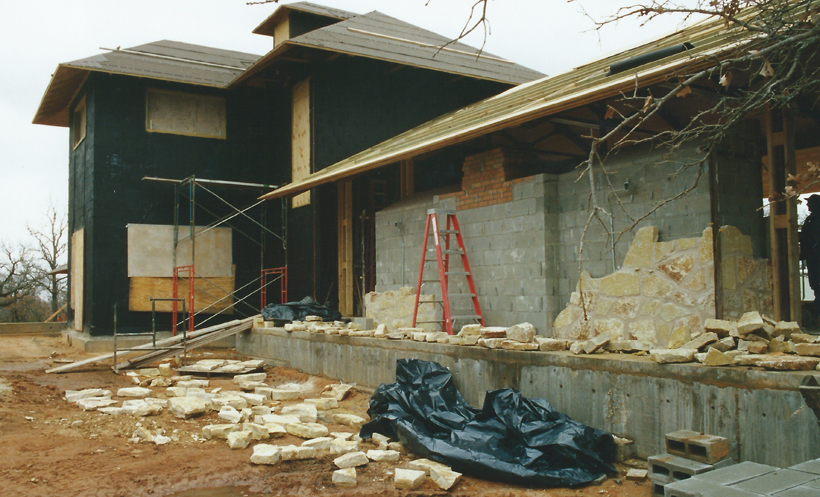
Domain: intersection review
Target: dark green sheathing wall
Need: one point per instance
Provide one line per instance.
(123, 152)
(358, 103)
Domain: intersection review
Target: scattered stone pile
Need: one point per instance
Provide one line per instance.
(255, 414)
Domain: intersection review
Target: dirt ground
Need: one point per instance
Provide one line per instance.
(52, 447)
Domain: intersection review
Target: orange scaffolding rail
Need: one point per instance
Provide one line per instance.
(189, 299)
(281, 274)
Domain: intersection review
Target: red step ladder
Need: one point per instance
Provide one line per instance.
(442, 259)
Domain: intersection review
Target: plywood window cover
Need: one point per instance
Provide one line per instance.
(151, 251)
(301, 138)
(79, 123)
(154, 124)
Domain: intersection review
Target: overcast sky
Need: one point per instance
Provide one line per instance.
(551, 36)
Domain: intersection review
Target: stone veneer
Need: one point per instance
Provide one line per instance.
(664, 286)
(394, 309)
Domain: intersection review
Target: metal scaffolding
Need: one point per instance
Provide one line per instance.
(185, 191)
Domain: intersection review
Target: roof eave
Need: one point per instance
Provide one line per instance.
(74, 78)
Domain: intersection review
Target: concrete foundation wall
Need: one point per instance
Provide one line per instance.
(51, 329)
(761, 413)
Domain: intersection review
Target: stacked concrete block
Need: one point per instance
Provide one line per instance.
(689, 453)
(748, 479)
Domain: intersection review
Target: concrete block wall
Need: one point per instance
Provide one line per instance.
(652, 177)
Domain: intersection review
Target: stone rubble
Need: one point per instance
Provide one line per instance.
(344, 477)
(408, 479)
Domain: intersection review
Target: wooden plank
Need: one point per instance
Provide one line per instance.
(345, 250)
(58, 311)
(792, 231)
(160, 343)
(407, 178)
(77, 275)
(186, 114)
(300, 138)
(281, 31)
(213, 293)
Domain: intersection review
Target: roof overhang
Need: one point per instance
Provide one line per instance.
(267, 26)
(64, 85)
(575, 88)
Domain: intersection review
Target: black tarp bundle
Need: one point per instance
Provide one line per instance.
(296, 311)
(511, 438)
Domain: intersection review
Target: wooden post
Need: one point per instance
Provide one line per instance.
(407, 187)
(345, 241)
(783, 217)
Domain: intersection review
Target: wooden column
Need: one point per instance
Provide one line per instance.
(345, 240)
(407, 186)
(783, 217)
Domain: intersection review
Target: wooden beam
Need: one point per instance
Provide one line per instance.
(407, 178)
(58, 311)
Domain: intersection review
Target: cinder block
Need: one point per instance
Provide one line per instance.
(776, 481)
(812, 467)
(736, 473)
(801, 491)
(675, 468)
(699, 488)
(700, 447)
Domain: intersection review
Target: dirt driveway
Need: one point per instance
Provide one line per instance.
(52, 448)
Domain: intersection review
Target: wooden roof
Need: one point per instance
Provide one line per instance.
(548, 96)
(379, 36)
(266, 27)
(163, 60)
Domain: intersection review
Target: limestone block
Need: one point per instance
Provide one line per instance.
(135, 392)
(677, 268)
(351, 460)
(265, 454)
(219, 431)
(522, 332)
(757, 347)
(239, 439)
(733, 241)
(349, 420)
(470, 340)
(807, 349)
(435, 337)
(455, 340)
(749, 322)
(339, 446)
(749, 359)
(595, 343)
(714, 357)
(551, 344)
(187, 407)
(445, 479)
(642, 248)
(628, 346)
(705, 248)
(621, 284)
(75, 395)
(493, 332)
(294, 453)
(720, 327)
(113, 411)
(251, 386)
(320, 444)
(780, 344)
(258, 432)
(383, 455)
(643, 330)
(397, 446)
(164, 369)
(426, 465)
(701, 341)
(513, 345)
(344, 477)
(470, 329)
(577, 347)
(276, 418)
(723, 344)
(395, 308)
(295, 327)
(93, 403)
(323, 403)
(789, 363)
(284, 394)
(229, 414)
(626, 308)
(140, 407)
(566, 317)
(396, 336)
(420, 336)
(160, 383)
(490, 343)
(307, 430)
(786, 328)
(361, 333)
(337, 391)
(408, 479)
(670, 311)
(664, 356)
(680, 336)
(378, 439)
(802, 338)
(341, 435)
(313, 319)
(307, 413)
(261, 410)
(231, 399)
(193, 383)
(253, 399)
(156, 402)
(275, 430)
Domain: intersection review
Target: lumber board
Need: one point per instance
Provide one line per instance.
(206, 292)
(300, 136)
(157, 355)
(163, 342)
(77, 275)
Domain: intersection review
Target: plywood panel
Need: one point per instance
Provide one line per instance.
(345, 240)
(300, 138)
(206, 292)
(185, 114)
(77, 276)
(151, 251)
